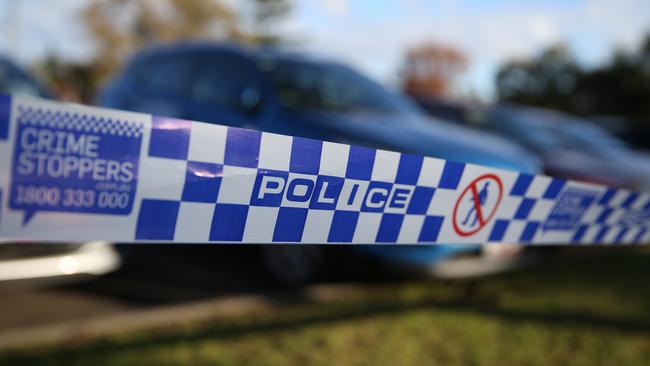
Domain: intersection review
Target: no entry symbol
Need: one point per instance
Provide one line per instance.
(477, 204)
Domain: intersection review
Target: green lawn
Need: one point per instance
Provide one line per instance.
(583, 311)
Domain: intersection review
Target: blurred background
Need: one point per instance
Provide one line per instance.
(554, 87)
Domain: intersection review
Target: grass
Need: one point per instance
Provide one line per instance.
(589, 311)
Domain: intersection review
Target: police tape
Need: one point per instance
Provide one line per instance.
(77, 173)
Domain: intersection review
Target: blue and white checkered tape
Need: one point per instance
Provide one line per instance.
(77, 173)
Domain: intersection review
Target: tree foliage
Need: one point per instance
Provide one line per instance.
(555, 80)
(431, 68)
(120, 27)
(266, 15)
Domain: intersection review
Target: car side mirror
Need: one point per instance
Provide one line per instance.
(250, 100)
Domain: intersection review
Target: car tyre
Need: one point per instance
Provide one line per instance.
(292, 265)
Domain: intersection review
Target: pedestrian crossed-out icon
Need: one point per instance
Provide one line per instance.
(477, 204)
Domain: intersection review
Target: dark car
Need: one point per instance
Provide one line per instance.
(13, 80)
(574, 148)
(292, 94)
(449, 110)
(569, 147)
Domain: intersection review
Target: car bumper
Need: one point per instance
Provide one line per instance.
(94, 258)
(487, 262)
(483, 261)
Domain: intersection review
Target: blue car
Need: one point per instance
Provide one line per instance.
(293, 94)
(14, 80)
(569, 147)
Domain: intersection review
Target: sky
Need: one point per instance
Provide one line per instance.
(374, 35)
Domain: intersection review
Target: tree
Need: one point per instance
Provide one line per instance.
(266, 15)
(72, 82)
(545, 81)
(122, 26)
(554, 79)
(430, 69)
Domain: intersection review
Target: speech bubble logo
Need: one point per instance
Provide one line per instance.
(29, 214)
(73, 162)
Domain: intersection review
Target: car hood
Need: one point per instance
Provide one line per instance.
(422, 135)
(640, 160)
(639, 163)
(629, 170)
(418, 255)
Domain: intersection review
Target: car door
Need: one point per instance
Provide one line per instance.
(226, 89)
(161, 84)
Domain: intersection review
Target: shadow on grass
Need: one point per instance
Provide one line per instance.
(625, 273)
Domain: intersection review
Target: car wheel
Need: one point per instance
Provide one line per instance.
(293, 264)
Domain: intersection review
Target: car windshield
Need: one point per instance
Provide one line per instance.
(331, 88)
(588, 139)
(529, 131)
(553, 131)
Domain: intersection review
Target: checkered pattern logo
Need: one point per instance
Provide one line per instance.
(74, 121)
(241, 185)
(618, 216)
(233, 185)
(548, 210)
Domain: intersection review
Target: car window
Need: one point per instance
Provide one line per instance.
(593, 135)
(223, 80)
(303, 85)
(529, 132)
(584, 138)
(553, 130)
(169, 74)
